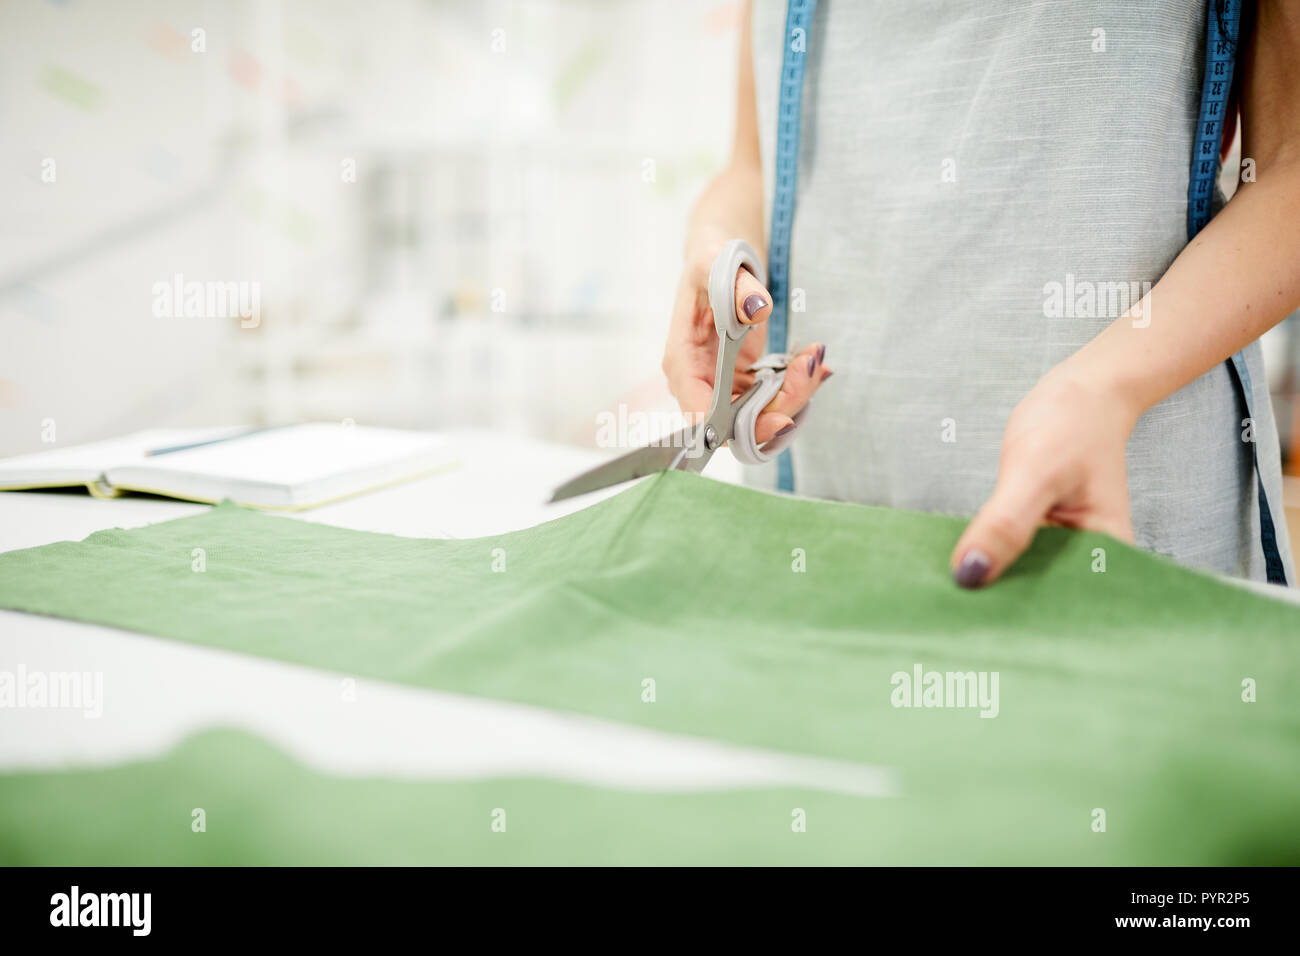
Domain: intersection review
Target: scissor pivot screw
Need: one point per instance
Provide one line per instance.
(710, 438)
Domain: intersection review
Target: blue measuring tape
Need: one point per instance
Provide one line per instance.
(1222, 37)
(798, 26)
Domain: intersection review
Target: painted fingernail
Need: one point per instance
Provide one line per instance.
(812, 365)
(785, 431)
(753, 305)
(821, 355)
(827, 374)
(970, 572)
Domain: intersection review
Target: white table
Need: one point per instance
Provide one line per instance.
(156, 691)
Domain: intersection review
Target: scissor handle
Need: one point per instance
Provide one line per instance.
(735, 255)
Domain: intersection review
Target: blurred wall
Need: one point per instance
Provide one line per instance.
(453, 211)
(448, 212)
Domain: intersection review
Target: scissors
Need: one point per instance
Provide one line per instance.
(690, 448)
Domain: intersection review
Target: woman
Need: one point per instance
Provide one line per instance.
(965, 177)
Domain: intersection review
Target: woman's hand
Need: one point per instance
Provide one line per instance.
(1062, 463)
(691, 353)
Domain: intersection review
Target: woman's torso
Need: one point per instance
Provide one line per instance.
(967, 171)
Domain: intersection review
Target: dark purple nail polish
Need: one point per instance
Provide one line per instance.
(827, 374)
(785, 431)
(753, 305)
(970, 572)
(821, 354)
(812, 365)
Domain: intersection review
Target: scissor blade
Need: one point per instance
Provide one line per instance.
(635, 464)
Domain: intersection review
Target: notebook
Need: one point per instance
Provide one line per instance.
(290, 467)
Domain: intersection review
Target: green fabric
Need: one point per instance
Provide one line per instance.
(1119, 690)
(262, 808)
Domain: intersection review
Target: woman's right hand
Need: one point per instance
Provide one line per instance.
(691, 353)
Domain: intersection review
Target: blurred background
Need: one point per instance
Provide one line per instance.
(451, 213)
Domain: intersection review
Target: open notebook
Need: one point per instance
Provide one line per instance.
(291, 467)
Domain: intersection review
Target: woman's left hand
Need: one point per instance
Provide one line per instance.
(1062, 463)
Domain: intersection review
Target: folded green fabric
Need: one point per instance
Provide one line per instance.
(762, 620)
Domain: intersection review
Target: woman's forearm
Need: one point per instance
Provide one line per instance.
(731, 207)
(1237, 279)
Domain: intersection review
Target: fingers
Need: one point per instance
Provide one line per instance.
(753, 304)
(1118, 524)
(691, 351)
(1000, 532)
(688, 360)
(803, 376)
